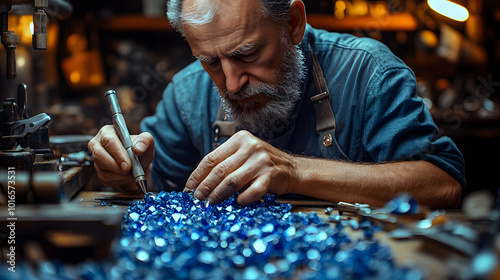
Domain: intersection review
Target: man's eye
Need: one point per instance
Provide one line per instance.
(212, 62)
(245, 56)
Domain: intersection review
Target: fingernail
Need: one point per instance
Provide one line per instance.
(210, 201)
(124, 166)
(189, 185)
(199, 195)
(140, 146)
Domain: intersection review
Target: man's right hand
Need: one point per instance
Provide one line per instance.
(111, 161)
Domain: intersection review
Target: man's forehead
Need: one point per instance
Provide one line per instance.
(237, 49)
(221, 14)
(196, 8)
(233, 29)
(200, 6)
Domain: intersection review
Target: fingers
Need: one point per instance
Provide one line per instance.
(242, 141)
(112, 145)
(247, 178)
(108, 152)
(112, 161)
(234, 182)
(144, 147)
(144, 144)
(229, 169)
(225, 179)
(253, 193)
(207, 164)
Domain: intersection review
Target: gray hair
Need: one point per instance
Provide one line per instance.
(277, 10)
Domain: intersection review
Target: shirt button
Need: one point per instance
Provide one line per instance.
(327, 140)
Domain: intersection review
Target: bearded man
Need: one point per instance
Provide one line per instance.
(315, 113)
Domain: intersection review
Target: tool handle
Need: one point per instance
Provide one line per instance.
(118, 119)
(123, 133)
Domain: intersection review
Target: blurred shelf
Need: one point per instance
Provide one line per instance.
(134, 23)
(391, 22)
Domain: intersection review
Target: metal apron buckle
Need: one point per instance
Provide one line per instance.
(325, 119)
(222, 128)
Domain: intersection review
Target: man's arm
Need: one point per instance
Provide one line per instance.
(247, 164)
(375, 184)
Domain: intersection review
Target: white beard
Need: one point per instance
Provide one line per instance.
(282, 98)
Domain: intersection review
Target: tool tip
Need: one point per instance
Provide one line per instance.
(142, 184)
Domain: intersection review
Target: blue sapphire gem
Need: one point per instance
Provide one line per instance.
(402, 204)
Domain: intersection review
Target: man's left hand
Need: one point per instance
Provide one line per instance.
(243, 163)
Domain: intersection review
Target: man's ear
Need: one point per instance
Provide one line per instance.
(297, 21)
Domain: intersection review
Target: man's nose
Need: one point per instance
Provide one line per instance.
(235, 77)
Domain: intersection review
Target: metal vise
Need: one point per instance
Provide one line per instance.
(16, 129)
(56, 8)
(24, 146)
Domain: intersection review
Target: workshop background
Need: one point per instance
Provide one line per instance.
(130, 47)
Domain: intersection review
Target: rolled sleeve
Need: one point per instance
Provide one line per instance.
(398, 125)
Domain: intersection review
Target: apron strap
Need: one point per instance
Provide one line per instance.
(325, 120)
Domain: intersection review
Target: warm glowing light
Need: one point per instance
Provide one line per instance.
(379, 9)
(429, 38)
(449, 9)
(340, 7)
(96, 79)
(20, 25)
(32, 27)
(20, 61)
(75, 77)
(359, 8)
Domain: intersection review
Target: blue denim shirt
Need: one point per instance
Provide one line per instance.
(378, 114)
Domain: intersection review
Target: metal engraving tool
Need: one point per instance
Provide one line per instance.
(122, 131)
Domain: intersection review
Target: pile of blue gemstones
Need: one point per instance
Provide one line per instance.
(174, 235)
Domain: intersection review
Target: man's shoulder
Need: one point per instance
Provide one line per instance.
(191, 86)
(350, 47)
(191, 74)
